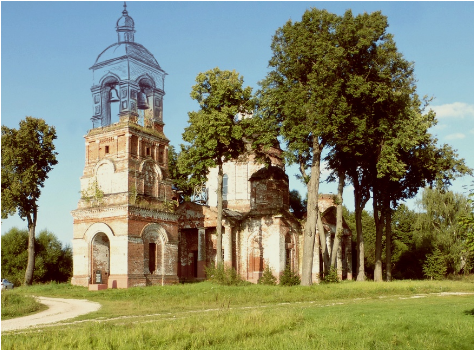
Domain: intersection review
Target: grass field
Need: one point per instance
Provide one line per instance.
(16, 304)
(349, 315)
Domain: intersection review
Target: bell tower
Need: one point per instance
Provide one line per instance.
(125, 226)
(128, 82)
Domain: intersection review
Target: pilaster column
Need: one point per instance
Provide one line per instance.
(87, 153)
(228, 247)
(97, 149)
(128, 144)
(201, 260)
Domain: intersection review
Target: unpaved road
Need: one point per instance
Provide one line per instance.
(58, 309)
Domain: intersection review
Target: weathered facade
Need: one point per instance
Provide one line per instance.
(127, 229)
(258, 229)
(124, 231)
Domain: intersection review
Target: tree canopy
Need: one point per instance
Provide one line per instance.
(215, 134)
(337, 81)
(54, 262)
(340, 82)
(28, 155)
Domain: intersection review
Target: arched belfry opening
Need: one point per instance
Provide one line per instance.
(108, 97)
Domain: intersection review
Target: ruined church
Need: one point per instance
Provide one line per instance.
(128, 229)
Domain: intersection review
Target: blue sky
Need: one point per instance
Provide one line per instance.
(48, 47)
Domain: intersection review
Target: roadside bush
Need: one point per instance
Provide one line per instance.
(289, 278)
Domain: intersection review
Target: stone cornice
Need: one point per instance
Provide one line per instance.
(122, 211)
(144, 132)
(150, 213)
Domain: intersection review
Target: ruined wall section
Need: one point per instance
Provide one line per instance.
(238, 172)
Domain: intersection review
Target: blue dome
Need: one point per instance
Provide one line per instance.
(127, 50)
(125, 22)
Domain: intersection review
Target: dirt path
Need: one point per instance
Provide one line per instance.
(58, 309)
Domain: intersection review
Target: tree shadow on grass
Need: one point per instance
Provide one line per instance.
(469, 312)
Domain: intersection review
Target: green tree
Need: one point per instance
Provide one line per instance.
(435, 266)
(337, 82)
(438, 225)
(180, 180)
(215, 134)
(53, 261)
(383, 143)
(14, 255)
(403, 231)
(368, 233)
(300, 94)
(297, 204)
(466, 221)
(27, 157)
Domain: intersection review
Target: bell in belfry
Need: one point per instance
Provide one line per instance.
(142, 101)
(113, 96)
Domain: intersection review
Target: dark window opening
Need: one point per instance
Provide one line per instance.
(195, 266)
(147, 151)
(152, 257)
(106, 149)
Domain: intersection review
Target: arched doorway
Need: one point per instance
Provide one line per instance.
(255, 258)
(155, 241)
(100, 259)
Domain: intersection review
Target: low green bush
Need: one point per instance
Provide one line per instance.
(224, 275)
(289, 278)
(331, 276)
(268, 278)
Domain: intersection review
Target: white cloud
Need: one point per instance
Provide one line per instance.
(453, 110)
(324, 171)
(455, 136)
(440, 126)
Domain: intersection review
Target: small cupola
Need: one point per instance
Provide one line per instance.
(125, 27)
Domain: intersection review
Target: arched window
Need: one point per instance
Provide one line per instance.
(225, 186)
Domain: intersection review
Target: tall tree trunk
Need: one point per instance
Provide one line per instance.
(323, 244)
(358, 200)
(312, 213)
(379, 219)
(360, 245)
(388, 238)
(31, 248)
(219, 214)
(339, 229)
